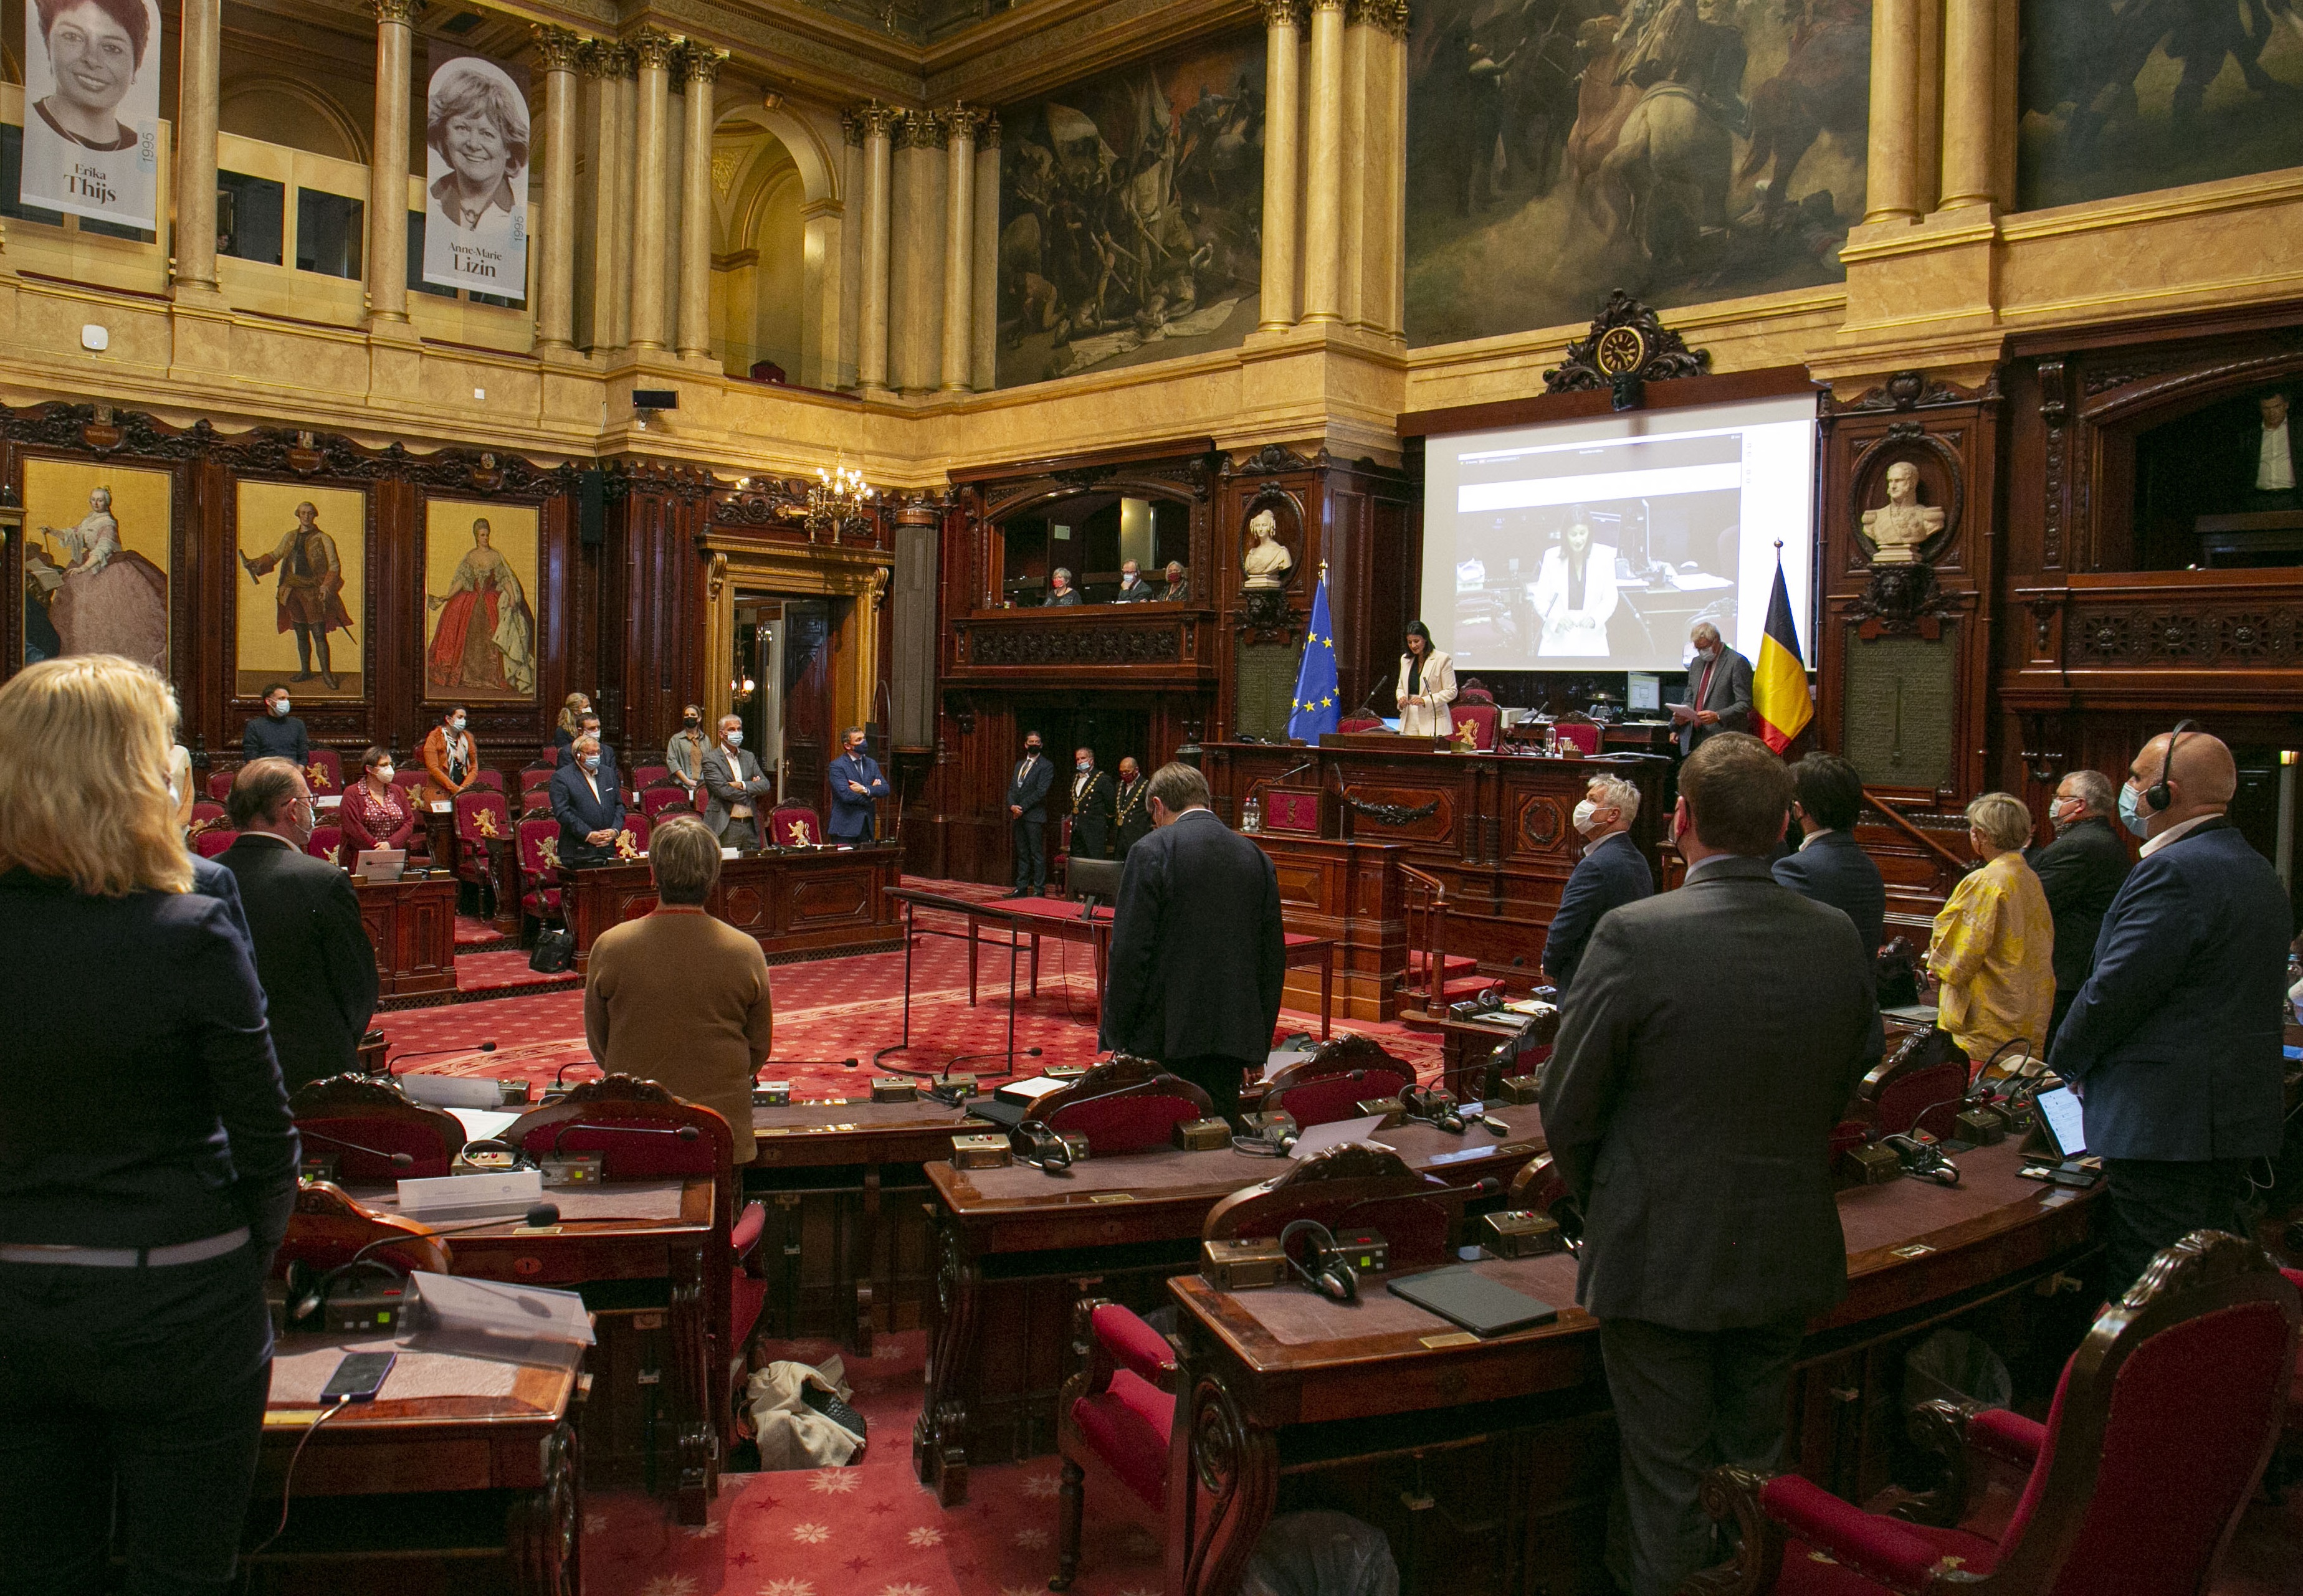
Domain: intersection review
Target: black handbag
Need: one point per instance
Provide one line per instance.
(555, 950)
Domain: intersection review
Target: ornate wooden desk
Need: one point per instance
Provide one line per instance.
(1513, 1434)
(1014, 1248)
(413, 926)
(798, 902)
(479, 1473)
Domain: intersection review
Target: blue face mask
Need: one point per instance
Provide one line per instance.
(591, 762)
(2131, 813)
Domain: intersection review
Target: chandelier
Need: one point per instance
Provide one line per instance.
(838, 496)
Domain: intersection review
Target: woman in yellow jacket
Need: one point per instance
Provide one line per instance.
(1994, 953)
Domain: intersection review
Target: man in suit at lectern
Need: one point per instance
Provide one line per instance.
(1715, 1035)
(1718, 691)
(1027, 817)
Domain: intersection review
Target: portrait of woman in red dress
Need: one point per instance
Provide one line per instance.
(485, 641)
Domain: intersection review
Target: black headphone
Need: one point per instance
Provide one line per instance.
(2159, 795)
(1338, 1281)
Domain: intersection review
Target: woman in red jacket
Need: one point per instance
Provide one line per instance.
(375, 814)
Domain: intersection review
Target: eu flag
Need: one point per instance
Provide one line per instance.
(1314, 710)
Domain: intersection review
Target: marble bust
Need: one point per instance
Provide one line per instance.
(1898, 527)
(1267, 562)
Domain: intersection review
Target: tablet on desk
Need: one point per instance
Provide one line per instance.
(1463, 1296)
(2065, 1121)
(380, 865)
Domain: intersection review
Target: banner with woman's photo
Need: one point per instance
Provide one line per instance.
(92, 109)
(475, 175)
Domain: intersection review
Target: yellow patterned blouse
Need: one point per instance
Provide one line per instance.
(1994, 953)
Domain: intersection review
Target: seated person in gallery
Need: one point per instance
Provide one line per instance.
(1574, 593)
(1898, 527)
(1267, 562)
(587, 805)
(1133, 588)
(1178, 590)
(1061, 591)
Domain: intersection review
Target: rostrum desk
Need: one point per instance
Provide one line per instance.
(1014, 1248)
(1512, 1436)
(794, 902)
(411, 923)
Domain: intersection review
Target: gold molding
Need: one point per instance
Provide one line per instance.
(798, 570)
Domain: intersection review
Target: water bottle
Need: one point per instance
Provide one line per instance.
(1251, 817)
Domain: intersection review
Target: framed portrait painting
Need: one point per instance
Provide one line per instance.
(480, 623)
(97, 561)
(301, 610)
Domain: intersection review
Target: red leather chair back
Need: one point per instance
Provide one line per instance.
(791, 828)
(214, 840)
(491, 779)
(1484, 720)
(219, 786)
(663, 796)
(1124, 1107)
(324, 771)
(1331, 1084)
(325, 840)
(644, 777)
(537, 849)
(481, 815)
(206, 816)
(632, 840)
(633, 1125)
(534, 779)
(374, 1115)
(1582, 734)
(1348, 1187)
(410, 780)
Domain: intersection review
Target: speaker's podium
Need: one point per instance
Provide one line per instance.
(1333, 886)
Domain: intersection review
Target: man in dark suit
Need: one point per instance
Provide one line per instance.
(312, 956)
(1198, 954)
(2173, 1043)
(1091, 808)
(589, 726)
(1831, 866)
(2081, 871)
(1027, 817)
(1715, 1036)
(1131, 805)
(1611, 872)
(585, 802)
(856, 785)
(1718, 691)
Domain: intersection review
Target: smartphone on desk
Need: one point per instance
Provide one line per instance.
(358, 1377)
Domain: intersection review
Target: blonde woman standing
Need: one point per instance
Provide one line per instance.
(1994, 952)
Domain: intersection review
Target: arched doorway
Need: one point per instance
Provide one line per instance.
(776, 244)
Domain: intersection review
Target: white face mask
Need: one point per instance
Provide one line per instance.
(736, 738)
(383, 773)
(1585, 811)
(280, 706)
(456, 724)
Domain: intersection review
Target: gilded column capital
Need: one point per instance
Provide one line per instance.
(1283, 13)
(559, 50)
(989, 138)
(402, 11)
(1388, 15)
(655, 48)
(851, 127)
(1327, 5)
(880, 122)
(605, 58)
(923, 130)
(702, 62)
(965, 121)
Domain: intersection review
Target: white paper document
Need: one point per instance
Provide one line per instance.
(1335, 1133)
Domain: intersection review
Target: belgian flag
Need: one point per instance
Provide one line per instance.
(1780, 700)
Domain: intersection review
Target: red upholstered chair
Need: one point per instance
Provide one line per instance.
(325, 840)
(491, 779)
(2161, 1424)
(534, 778)
(1473, 691)
(538, 854)
(1117, 1408)
(1359, 723)
(1578, 731)
(214, 840)
(220, 784)
(1331, 1084)
(1124, 1107)
(352, 1124)
(411, 784)
(206, 817)
(483, 841)
(324, 771)
(1484, 720)
(644, 777)
(1921, 1086)
(632, 841)
(794, 827)
(662, 795)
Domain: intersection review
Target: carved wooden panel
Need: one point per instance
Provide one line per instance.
(1541, 827)
(1299, 883)
(2185, 631)
(824, 898)
(746, 907)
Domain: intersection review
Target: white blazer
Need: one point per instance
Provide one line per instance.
(1572, 632)
(1438, 686)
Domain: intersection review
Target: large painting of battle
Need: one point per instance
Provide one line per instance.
(2122, 96)
(1684, 150)
(1131, 211)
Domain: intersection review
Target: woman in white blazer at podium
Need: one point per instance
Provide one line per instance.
(1426, 687)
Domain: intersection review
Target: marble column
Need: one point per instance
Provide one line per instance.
(611, 188)
(695, 205)
(983, 326)
(916, 247)
(1283, 28)
(871, 301)
(560, 51)
(651, 172)
(960, 125)
(387, 184)
(196, 146)
(1970, 85)
(1323, 167)
(1891, 181)
(851, 246)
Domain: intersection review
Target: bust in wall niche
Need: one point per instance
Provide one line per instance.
(1898, 527)
(1267, 562)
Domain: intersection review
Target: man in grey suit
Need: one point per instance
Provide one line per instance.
(1718, 691)
(736, 793)
(1715, 1036)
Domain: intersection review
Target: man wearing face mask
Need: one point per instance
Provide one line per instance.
(1611, 873)
(585, 802)
(736, 793)
(684, 754)
(452, 757)
(2080, 871)
(856, 783)
(2173, 1041)
(1027, 817)
(1091, 808)
(1131, 806)
(1718, 691)
(312, 956)
(1830, 866)
(276, 734)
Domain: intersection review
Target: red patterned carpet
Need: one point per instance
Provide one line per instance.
(827, 1011)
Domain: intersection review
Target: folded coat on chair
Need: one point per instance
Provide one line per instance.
(791, 1434)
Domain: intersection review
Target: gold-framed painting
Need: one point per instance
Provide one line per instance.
(300, 607)
(480, 623)
(98, 560)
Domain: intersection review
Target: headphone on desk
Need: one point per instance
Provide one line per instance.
(1337, 1281)
(2159, 795)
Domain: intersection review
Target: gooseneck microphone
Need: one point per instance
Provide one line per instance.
(539, 1216)
(437, 1052)
(684, 1132)
(397, 1160)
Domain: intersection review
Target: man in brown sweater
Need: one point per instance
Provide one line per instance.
(678, 997)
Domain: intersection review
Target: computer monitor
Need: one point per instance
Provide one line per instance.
(1097, 878)
(1643, 690)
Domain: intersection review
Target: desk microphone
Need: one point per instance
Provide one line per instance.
(1486, 1187)
(559, 1076)
(1299, 770)
(436, 1052)
(540, 1216)
(684, 1132)
(803, 1063)
(397, 1160)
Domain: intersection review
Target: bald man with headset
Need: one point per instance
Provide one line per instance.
(2173, 1043)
